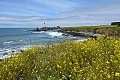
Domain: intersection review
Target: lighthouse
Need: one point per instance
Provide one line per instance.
(45, 25)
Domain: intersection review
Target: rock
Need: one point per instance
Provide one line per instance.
(55, 36)
(13, 51)
(5, 53)
(0, 60)
(95, 35)
(20, 78)
(64, 34)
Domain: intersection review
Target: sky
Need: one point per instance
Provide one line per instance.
(64, 13)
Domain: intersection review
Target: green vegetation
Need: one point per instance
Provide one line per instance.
(110, 30)
(68, 60)
(116, 23)
(89, 28)
(37, 29)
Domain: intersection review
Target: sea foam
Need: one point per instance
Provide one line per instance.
(54, 34)
(38, 32)
(8, 42)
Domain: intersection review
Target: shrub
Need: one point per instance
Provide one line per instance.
(68, 60)
(115, 23)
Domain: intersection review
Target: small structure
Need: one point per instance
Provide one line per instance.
(116, 23)
(45, 25)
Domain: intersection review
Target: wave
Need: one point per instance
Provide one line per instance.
(5, 53)
(38, 32)
(12, 41)
(8, 42)
(15, 35)
(54, 34)
(25, 30)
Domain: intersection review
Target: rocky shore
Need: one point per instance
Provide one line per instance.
(90, 31)
(68, 32)
(46, 28)
(86, 34)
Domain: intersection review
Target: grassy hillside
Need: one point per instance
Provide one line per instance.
(69, 60)
(76, 28)
(110, 30)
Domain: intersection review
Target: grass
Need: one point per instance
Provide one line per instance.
(68, 60)
(109, 30)
(117, 29)
(74, 28)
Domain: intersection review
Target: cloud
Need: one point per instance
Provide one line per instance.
(59, 12)
(34, 7)
(94, 14)
(56, 3)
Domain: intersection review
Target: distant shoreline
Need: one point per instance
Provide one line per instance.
(87, 31)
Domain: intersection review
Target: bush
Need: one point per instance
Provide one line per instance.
(115, 23)
(68, 60)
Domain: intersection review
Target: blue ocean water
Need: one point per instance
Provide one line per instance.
(14, 39)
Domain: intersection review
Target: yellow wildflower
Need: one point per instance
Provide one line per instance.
(76, 63)
(70, 63)
(69, 75)
(109, 76)
(117, 74)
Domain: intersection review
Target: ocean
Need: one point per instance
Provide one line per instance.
(15, 39)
